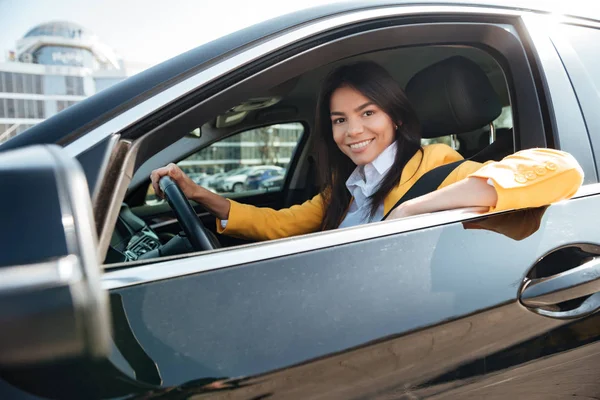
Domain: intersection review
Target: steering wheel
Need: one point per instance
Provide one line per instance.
(200, 237)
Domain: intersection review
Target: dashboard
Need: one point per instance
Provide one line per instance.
(131, 238)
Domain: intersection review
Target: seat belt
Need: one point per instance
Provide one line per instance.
(427, 183)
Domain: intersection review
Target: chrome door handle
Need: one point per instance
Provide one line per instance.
(572, 284)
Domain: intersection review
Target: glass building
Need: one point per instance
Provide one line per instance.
(55, 65)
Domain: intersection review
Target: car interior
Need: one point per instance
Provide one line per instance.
(460, 94)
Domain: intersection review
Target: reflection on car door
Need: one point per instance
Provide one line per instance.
(427, 312)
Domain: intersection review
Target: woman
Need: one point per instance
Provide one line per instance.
(371, 155)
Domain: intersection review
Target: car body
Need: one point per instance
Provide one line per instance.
(227, 181)
(255, 178)
(274, 183)
(210, 180)
(236, 180)
(198, 177)
(451, 305)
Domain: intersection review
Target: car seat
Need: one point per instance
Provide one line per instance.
(455, 96)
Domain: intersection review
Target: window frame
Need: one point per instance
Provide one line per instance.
(225, 74)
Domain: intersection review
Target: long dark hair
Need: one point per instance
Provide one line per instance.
(375, 83)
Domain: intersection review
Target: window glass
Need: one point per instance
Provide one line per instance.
(38, 84)
(74, 85)
(30, 109)
(251, 162)
(10, 108)
(41, 110)
(18, 83)
(578, 48)
(20, 108)
(55, 84)
(470, 143)
(8, 82)
(28, 83)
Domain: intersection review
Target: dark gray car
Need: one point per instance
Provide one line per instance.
(102, 295)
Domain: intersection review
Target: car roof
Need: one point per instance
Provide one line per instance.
(89, 112)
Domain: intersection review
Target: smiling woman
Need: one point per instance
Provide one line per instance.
(370, 156)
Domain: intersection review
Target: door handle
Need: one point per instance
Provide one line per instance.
(575, 283)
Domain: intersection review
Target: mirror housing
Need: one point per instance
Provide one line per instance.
(52, 305)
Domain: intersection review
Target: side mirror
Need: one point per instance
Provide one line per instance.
(51, 303)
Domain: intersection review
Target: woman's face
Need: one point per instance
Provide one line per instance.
(360, 128)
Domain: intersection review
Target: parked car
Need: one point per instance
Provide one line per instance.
(235, 180)
(256, 177)
(274, 183)
(227, 181)
(198, 177)
(210, 180)
(102, 297)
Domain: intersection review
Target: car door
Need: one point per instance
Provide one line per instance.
(430, 306)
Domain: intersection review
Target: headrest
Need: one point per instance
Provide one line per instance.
(453, 96)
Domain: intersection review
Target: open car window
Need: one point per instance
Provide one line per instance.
(251, 164)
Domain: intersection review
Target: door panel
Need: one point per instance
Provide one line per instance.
(347, 322)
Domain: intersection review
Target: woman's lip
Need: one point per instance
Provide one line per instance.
(361, 149)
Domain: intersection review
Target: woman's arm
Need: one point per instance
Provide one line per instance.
(528, 178)
(243, 220)
(470, 192)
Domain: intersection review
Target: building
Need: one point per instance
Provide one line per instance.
(270, 145)
(54, 66)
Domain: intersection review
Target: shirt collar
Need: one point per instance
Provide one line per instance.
(372, 173)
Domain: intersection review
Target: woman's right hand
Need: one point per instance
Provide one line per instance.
(214, 203)
(185, 183)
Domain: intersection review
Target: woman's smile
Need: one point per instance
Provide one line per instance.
(361, 146)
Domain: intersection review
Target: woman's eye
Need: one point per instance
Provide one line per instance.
(338, 121)
(368, 113)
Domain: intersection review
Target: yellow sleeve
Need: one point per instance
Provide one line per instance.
(528, 178)
(254, 223)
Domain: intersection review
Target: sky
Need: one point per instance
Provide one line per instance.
(144, 31)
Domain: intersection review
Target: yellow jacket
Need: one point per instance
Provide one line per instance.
(528, 178)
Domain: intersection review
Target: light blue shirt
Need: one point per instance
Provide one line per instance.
(363, 183)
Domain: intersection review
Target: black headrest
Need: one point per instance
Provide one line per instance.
(453, 96)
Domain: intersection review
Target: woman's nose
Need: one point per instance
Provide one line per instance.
(355, 128)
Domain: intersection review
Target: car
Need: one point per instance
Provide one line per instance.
(232, 181)
(235, 180)
(255, 178)
(198, 177)
(274, 183)
(106, 296)
(210, 180)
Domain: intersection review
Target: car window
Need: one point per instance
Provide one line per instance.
(469, 143)
(238, 163)
(578, 49)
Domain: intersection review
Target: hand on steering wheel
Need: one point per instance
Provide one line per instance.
(199, 237)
